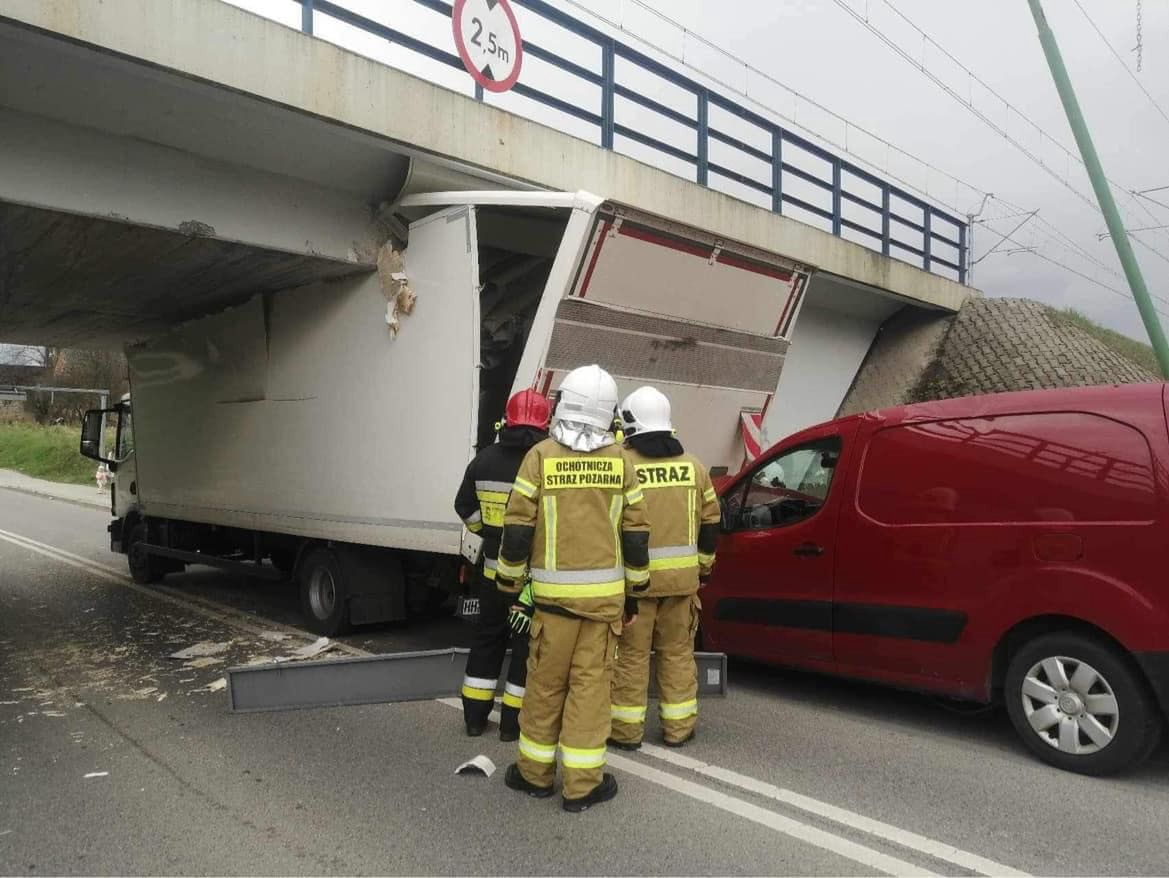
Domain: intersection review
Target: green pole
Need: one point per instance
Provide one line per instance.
(1128, 259)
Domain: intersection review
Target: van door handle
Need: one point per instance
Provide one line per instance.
(808, 550)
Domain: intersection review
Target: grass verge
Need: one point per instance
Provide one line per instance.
(45, 453)
(1131, 349)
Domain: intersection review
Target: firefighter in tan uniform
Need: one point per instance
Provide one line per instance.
(684, 517)
(576, 525)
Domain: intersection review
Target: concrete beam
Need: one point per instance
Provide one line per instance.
(55, 166)
(222, 44)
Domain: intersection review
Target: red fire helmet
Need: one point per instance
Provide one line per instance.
(528, 409)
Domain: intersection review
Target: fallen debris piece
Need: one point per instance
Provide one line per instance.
(274, 635)
(204, 662)
(480, 765)
(97, 774)
(203, 648)
(217, 685)
(321, 644)
(162, 697)
(142, 693)
(52, 713)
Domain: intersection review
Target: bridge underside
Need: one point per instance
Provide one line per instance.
(79, 281)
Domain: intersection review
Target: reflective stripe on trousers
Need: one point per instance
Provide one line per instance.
(678, 711)
(627, 713)
(478, 688)
(513, 696)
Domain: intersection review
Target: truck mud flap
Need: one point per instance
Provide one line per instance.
(380, 679)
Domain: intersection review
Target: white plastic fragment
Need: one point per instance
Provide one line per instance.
(97, 774)
(480, 765)
(203, 648)
(321, 644)
(217, 685)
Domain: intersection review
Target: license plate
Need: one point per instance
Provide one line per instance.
(468, 607)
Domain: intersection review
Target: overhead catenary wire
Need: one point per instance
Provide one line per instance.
(899, 50)
(1063, 266)
(1123, 63)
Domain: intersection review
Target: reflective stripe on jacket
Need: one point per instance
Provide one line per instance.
(684, 516)
(578, 520)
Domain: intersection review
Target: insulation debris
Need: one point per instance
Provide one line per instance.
(97, 774)
(217, 685)
(400, 298)
(203, 648)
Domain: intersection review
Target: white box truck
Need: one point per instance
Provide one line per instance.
(298, 434)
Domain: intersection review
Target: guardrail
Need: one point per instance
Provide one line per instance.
(731, 144)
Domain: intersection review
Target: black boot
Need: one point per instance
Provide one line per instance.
(602, 792)
(509, 724)
(519, 783)
(475, 728)
(679, 743)
(624, 745)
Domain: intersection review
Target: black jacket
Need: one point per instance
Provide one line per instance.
(482, 497)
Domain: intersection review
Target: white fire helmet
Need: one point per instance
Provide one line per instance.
(587, 395)
(646, 410)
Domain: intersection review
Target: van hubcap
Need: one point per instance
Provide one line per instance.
(1070, 705)
(322, 593)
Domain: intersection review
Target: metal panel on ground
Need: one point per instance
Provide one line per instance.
(377, 679)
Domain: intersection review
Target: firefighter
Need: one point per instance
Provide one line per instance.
(576, 526)
(480, 502)
(684, 516)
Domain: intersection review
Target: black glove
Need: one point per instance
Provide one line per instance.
(630, 607)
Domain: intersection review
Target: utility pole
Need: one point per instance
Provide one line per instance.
(1128, 259)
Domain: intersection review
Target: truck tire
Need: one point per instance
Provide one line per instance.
(1081, 705)
(324, 598)
(144, 568)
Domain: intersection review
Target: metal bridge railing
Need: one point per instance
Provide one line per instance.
(729, 143)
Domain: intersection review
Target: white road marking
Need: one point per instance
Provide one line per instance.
(911, 840)
(844, 847)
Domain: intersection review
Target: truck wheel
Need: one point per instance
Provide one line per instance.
(324, 599)
(144, 568)
(1080, 705)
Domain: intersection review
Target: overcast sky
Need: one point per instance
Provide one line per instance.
(817, 49)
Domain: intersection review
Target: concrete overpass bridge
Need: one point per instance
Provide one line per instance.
(165, 159)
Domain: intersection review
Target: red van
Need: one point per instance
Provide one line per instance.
(1011, 547)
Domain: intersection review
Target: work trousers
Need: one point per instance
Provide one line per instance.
(570, 668)
(492, 638)
(667, 625)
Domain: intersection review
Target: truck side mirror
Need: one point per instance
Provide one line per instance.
(91, 434)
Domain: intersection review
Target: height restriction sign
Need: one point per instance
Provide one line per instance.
(488, 40)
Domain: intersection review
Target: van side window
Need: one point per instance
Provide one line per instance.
(1045, 467)
(785, 489)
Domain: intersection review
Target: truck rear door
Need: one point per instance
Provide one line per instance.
(705, 320)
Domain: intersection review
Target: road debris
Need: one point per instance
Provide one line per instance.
(97, 774)
(480, 765)
(274, 635)
(203, 648)
(312, 650)
(217, 685)
(204, 662)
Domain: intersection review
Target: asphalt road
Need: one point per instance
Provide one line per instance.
(790, 774)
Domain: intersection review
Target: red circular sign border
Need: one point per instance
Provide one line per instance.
(465, 56)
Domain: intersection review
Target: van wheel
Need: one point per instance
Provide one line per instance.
(324, 599)
(144, 567)
(1080, 705)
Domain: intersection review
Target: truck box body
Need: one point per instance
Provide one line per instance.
(299, 412)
